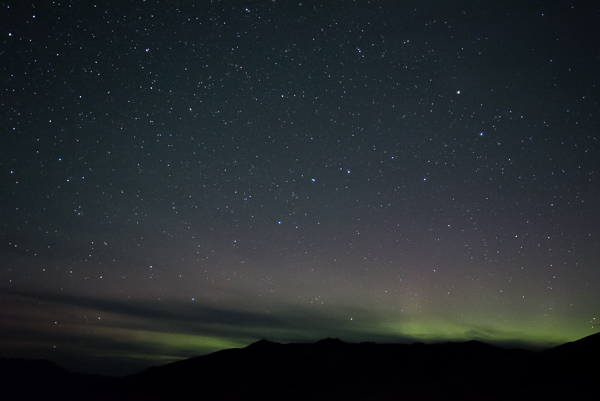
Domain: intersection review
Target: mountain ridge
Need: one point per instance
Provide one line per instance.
(328, 369)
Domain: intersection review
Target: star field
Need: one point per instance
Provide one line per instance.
(182, 177)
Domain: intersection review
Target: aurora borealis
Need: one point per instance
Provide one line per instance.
(181, 177)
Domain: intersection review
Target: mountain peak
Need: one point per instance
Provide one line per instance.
(330, 342)
(262, 343)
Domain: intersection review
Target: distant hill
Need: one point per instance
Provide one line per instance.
(330, 370)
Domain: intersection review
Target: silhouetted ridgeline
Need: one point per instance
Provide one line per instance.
(330, 370)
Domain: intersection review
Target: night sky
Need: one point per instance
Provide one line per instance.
(183, 177)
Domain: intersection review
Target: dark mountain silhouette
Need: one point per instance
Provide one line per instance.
(330, 370)
(22, 379)
(584, 346)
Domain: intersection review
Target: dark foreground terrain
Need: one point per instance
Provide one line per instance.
(331, 370)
